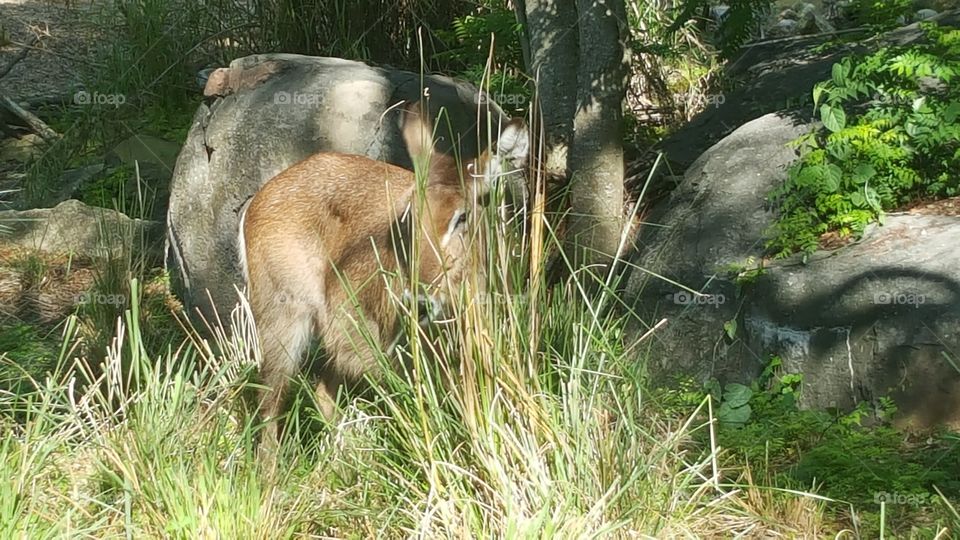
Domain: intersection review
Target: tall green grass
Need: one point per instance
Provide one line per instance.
(526, 415)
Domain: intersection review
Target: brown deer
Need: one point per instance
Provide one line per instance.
(332, 234)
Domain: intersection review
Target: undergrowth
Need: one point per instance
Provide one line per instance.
(526, 415)
(856, 458)
(891, 135)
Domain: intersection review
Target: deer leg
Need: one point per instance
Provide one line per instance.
(326, 395)
(283, 341)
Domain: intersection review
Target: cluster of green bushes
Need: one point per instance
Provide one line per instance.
(856, 458)
(891, 136)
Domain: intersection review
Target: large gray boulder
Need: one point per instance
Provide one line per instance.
(714, 219)
(879, 317)
(267, 112)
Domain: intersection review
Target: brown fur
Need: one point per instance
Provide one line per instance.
(337, 215)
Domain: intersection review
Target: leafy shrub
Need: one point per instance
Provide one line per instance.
(468, 48)
(901, 145)
(835, 453)
(468, 41)
(738, 23)
(881, 15)
(734, 402)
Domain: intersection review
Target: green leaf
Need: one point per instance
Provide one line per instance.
(833, 118)
(839, 73)
(736, 394)
(730, 327)
(831, 176)
(733, 415)
(788, 399)
(863, 172)
(713, 388)
(818, 91)
(951, 113)
(913, 129)
(873, 199)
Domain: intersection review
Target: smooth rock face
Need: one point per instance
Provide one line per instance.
(73, 227)
(880, 317)
(268, 112)
(714, 219)
(877, 318)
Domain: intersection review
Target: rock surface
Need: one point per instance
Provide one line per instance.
(880, 317)
(714, 219)
(877, 318)
(73, 227)
(266, 113)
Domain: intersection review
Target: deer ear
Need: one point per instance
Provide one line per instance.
(512, 151)
(513, 144)
(417, 131)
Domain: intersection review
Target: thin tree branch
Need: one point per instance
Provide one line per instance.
(19, 57)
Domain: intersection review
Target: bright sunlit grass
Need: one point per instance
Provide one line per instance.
(526, 416)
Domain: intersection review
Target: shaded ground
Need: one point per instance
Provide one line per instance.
(69, 36)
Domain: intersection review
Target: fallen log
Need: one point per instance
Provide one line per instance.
(35, 124)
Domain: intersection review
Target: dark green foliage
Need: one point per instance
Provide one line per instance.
(468, 41)
(891, 136)
(835, 453)
(857, 465)
(882, 15)
(739, 23)
(468, 50)
(734, 402)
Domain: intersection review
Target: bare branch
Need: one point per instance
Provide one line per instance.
(19, 57)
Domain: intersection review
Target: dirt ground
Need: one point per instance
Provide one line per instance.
(68, 32)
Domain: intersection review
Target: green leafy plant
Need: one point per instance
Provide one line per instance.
(891, 136)
(881, 15)
(468, 48)
(774, 384)
(734, 400)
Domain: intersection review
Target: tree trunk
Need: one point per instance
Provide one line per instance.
(552, 32)
(596, 153)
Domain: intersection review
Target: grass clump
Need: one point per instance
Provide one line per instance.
(841, 457)
(524, 416)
